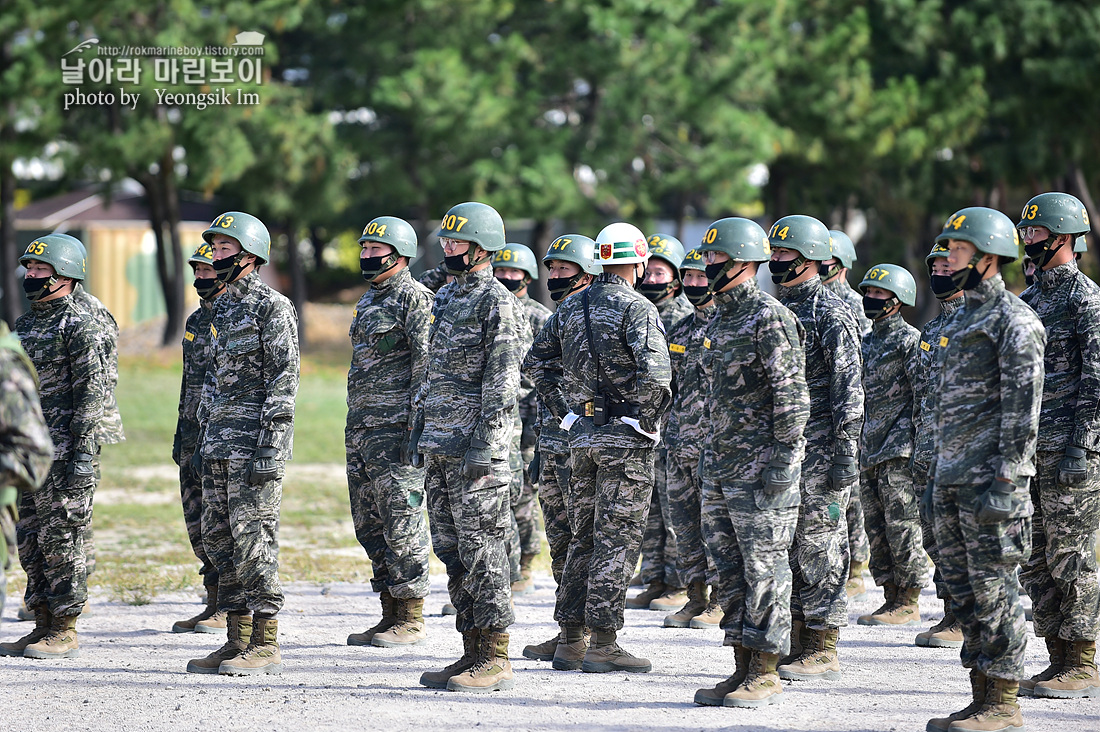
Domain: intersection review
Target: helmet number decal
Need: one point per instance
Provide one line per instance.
(1030, 212)
(781, 233)
(37, 247)
(710, 236)
(374, 228)
(956, 223)
(453, 223)
(504, 255)
(223, 221)
(877, 273)
(657, 244)
(560, 243)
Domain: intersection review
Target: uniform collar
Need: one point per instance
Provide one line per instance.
(950, 306)
(471, 280)
(613, 279)
(1061, 274)
(390, 282)
(738, 294)
(884, 324)
(986, 290)
(246, 284)
(810, 287)
(51, 305)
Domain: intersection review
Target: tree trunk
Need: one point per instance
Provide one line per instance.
(9, 254)
(297, 273)
(172, 277)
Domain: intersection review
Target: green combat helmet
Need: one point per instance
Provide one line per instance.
(202, 255)
(246, 229)
(943, 286)
(395, 233)
(742, 239)
(668, 249)
(844, 252)
(473, 222)
(206, 287)
(890, 277)
(575, 248)
(697, 295)
(805, 235)
(61, 251)
(1059, 213)
(517, 256)
(990, 231)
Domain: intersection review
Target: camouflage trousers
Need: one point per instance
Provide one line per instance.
(890, 502)
(240, 531)
(693, 560)
(979, 564)
(928, 536)
(52, 530)
(7, 541)
(609, 496)
(750, 545)
(469, 522)
(859, 545)
(553, 494)
(659, 540)
(1061, 575)
(526, 509)
(387, 511)
(191, 498)
(820, 556)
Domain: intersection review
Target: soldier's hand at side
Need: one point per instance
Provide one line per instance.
(926, 502)
(176, 448)
(410, 448)
(843, 472)
(535, 467)
(263, 467)
(1073, 468)
(995, 505)
(196, 462)
(478, 461)
(779, 473)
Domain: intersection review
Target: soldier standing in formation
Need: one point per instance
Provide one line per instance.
(196, 340)
(685, 436)
(602, 367)
(820, 555)
(467, 412)
(755, 413)
(572, 269)
(1061, 575)
(247, 419)
(63, 341)
(389, 339)
(886, 445)
(665, 588)
(986, 420)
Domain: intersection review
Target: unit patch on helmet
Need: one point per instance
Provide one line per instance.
(605, 251)
(640, 248)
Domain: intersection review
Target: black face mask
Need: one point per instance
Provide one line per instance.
(207, 287)
(969, 277)
(456, 263)
(785, 271)
(512, 285)
(371, 267)
(559, 287)
(1041, 252)
(698, 295)
(943, 286)
(38, 287)
(655, 292)
(229, 268)
(828, 271)
(1029, 279)
(875, 307)
(720, 274)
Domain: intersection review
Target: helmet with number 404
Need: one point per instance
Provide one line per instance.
(621, 243)
(804, 234)
(575, 248)
(61, 251)
(476, 222)
(398, 233)
(989, 230)
(891, 277)
(517, 256)
(246, 229)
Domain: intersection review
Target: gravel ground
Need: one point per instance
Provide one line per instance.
(131, 677)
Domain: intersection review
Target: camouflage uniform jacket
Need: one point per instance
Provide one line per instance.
(833, 361)
(434, 278)
(252, 376)
(673, 310)
(926, 382)
(196, 355)
(990, 393)
(110, 430)
(755, 374)
(844, 291)
(889, 373)
(475, 339)
(630, 341)
(26, 450)
(537, 314)
(62, 339)
(685, 432)
(553, 440)
(1068, 303)
(389, 340)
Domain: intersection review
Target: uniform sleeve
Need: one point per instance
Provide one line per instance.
(841, 344)
(1086, 431)
(26, 450)
(653, 376)
(779, 348)
(417, 319)
(504, 328)
(279, 337)
(89, 385)
(1020, 354)
(544, 364)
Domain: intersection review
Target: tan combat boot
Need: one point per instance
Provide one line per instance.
(904, 610)
(712, 616)
(493, 670)
(889, 595)
(673, 599)
(387, 621)
(544, 651)
(855, 586)
(760, 687)
(409, 628)
(525, 583)
(59, 642)
(999, 712)
(262, 655)
(1078, 676)
(470, 649)
(605, 654)
(42, 619)
(238, 629)
(1056, 650)
(819, 658)
(636, 580)
(696, 605)
(713, 697)
(212, 621)
(977, 698)
(800, 637)
(649, 594)
(571, 649)
(945, 634)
